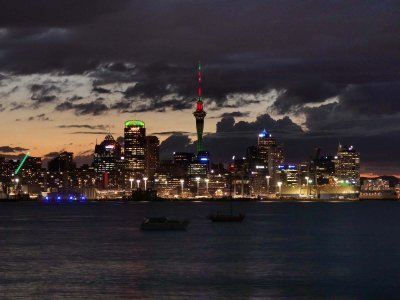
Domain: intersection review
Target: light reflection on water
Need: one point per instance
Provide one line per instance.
(281, 250)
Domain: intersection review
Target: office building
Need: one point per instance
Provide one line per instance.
(152, 155)
(105, 159)
(347, 165)
(134, 147)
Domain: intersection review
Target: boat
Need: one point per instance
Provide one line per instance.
(163, 223)
(221, 217)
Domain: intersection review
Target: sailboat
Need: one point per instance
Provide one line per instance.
(227, 217)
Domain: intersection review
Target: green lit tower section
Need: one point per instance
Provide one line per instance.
(199, 114)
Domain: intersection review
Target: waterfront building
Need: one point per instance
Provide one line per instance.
(152, 155)
(288, 174)
(32, 177)
(63, 162)
(347, 165)
(134, 147)
(105, 159)
(183, 159)
(271, 154)
(322, 170)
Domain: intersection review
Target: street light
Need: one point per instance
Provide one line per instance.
(280, 188)
(131, 181)
(145, 183)
(268, 177)
(307, 185)
(138, 183)
(207, 180)
(182, 182)
(16, 183)
(198, 183)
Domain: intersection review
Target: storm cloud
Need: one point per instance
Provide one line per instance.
(333, 66)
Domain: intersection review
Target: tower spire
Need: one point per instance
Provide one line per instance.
(199, 114)
(199, 91)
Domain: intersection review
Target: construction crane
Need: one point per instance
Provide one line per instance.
(21, 163)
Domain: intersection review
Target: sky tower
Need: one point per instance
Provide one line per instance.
(199, 114)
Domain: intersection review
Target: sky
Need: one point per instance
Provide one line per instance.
(312, 73)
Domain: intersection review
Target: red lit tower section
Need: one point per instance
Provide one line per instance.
(199, 114)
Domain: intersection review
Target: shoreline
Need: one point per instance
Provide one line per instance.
(270, 200)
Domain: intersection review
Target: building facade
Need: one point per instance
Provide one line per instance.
(134, 147)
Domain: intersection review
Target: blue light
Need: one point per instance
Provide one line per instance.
(204, 159)
(281, 166)
(292, 166)
(58, 198)
(264, 133)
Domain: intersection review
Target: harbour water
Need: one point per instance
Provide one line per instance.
(95, 250)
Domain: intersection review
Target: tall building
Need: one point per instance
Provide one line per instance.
(152, 155)
(322, 170)
(64, 162)
(271, 154)
(199, 114)
(105, 158)
(347, 165)
(134, 147)
(288, 174)
(183, 159)
(60, 172)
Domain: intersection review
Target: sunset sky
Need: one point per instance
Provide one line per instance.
(314, 73)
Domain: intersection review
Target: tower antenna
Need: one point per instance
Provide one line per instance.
(199, 114)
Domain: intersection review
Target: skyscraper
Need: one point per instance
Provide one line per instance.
(134, 146)
(199, 114)
(152, 155)
(270, 154)
(105, 157)
(347, 165)
(64, 162)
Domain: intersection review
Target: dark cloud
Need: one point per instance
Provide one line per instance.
(171, 133)
(284, 126)
(177, 142)
(51, 154)
(44, 13)
(8, 92)
(90, 132)
(9, 149)
(74, 98)
(16, 106)
(44, 93)
(307, 51)
(94, 108)
(236, 114)
(40, 117)
(86, 126)
(144, 105)
(100, 90)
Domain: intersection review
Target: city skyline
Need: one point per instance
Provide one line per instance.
(312, 79)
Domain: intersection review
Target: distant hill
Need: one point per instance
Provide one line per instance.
(392, 179)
